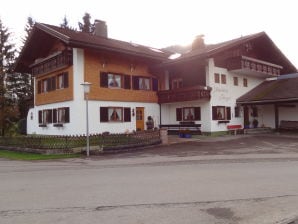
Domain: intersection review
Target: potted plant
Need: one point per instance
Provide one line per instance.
(255, 123)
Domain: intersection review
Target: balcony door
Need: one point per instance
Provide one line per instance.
(140, 121)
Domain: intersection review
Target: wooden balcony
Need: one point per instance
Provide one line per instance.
(52, 63)
(184, 94)
(253, 67)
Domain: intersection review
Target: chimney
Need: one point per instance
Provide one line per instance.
(198, 43)
(100, 28)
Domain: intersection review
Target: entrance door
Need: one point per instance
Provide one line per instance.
(140, 118)
(246, 117)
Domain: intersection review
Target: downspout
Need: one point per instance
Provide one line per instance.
(159, 114)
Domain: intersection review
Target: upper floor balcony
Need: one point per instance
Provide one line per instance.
(52, 63)
(184, 94)
(253, 67)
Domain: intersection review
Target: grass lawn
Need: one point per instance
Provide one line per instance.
(32, 156)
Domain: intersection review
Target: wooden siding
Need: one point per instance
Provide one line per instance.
(58, 95)
(96, 63)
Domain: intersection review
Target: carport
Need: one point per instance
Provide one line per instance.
(280, 94)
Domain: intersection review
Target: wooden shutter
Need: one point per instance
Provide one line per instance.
(40, 116)
(127, 114)
(104, 79)
(49, 116)
(66, 115)
(104, 115)
(127, 82)
(135, 84)
(197, 113)
(228, 110)
(39, 86)
(214, 113)
(155, 84)
(178, 114)
(49, 84)
(53, 82)
(65, 79)
(54, 115)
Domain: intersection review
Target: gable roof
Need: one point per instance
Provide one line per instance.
(283, 89)
(210, 50)
(80, 39)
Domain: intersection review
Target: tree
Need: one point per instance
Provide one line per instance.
(7, 58)
(86, 26)
(28, 28)
(64, 23)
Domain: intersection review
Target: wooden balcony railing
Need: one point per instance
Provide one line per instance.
(184, 94)
(252, 66)
(52, 63)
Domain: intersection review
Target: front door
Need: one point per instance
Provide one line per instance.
(140, 118)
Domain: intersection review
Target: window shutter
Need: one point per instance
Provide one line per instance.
(40, 116)
(66, 115)
(54, 115)
(49, 114)
(155, 84)
(49, 84)
(39, 86)
(197, 113)
(53, 83)
(228, 110)
(104, 116)
(214, 113)
(135, 83)
(127, 114)
(104, 79)
(178, 114)
(65, 79)
(127, 82)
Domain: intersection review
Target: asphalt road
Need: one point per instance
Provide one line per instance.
(155, 188)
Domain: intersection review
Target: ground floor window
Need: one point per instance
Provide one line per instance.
(188, 114)
(115, 114)
(221, 113)
(56, 115)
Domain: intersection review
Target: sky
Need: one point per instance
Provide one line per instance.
(161, 23)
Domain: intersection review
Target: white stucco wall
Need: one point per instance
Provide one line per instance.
(227, 94)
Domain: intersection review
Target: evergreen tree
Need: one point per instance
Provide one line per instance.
(28, 27)
(64, 23)
(86, 26)
(7, 58)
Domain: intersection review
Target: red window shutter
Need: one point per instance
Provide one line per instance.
(40, 116)
(39, 86)
(54, 115)
(53, 83)
(155, 84)
(178, 114)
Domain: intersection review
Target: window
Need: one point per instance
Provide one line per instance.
(144, 83)
(63, 80)
(113, 80)
(245, 82)
(237, 111)
(221, 113)
(44, 85)
(177, 83)
(188, 114)
(115, 114)
(223, 79)
(216, 77)
(59, 115)
(235, 79)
